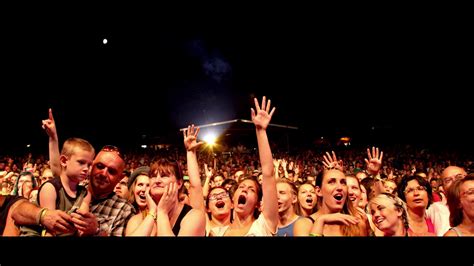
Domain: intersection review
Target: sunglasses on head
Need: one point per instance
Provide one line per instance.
(112, 148)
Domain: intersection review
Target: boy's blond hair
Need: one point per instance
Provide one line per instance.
(71, 143)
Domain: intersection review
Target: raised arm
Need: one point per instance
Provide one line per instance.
(206, 188)
(261, 118)
(50, 126)
(196, 197)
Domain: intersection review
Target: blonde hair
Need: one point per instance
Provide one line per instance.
(71, 143)
(397, 202)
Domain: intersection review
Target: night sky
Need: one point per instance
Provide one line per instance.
(329, 77)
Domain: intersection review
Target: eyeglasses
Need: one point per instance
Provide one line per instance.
(222, 195)
(412, 189)
(112, 148)
(469, 192)
(450, 179)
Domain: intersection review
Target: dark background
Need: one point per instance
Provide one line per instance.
(381, 79)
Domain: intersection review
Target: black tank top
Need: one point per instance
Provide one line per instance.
(177, 225)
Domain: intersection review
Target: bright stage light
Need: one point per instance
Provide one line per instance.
(210, 138)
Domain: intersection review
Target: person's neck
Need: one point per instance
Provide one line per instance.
(242, 220)
(220, 221)
(103, 195)
(400, 230)
(326, 210)
(305, 212)
(417, 215)
(286, 217)
(69, 183)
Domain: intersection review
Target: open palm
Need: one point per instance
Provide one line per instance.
(190, 138)
(262, 116)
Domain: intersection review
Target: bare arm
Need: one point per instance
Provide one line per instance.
(137, 226)
(208, 173)
(196, 197)
(302, 227)
(50, 126)
(193, 224)
(261, 118)
(55, 221)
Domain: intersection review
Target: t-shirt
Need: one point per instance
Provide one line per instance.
(259, 227)
(438, 213)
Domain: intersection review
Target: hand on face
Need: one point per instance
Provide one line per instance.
(169, 199)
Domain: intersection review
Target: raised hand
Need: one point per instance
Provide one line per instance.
(207, 171)
(276, 163)
(332, 162)
(151, 205)
(50, 126)
(374, 162)
(190, 138)
(262, 116)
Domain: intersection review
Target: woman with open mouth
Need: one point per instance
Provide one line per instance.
(247, 220)
(219, 208)
(336, 215)
(307, 200)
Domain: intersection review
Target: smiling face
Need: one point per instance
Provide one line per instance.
(385, 215)
(333, 190)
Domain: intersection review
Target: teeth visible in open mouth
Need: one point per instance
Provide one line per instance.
(338, 197)
(309, 200)
(220, 204)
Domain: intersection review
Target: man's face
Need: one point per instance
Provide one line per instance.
(451, 174)
(107, 171)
